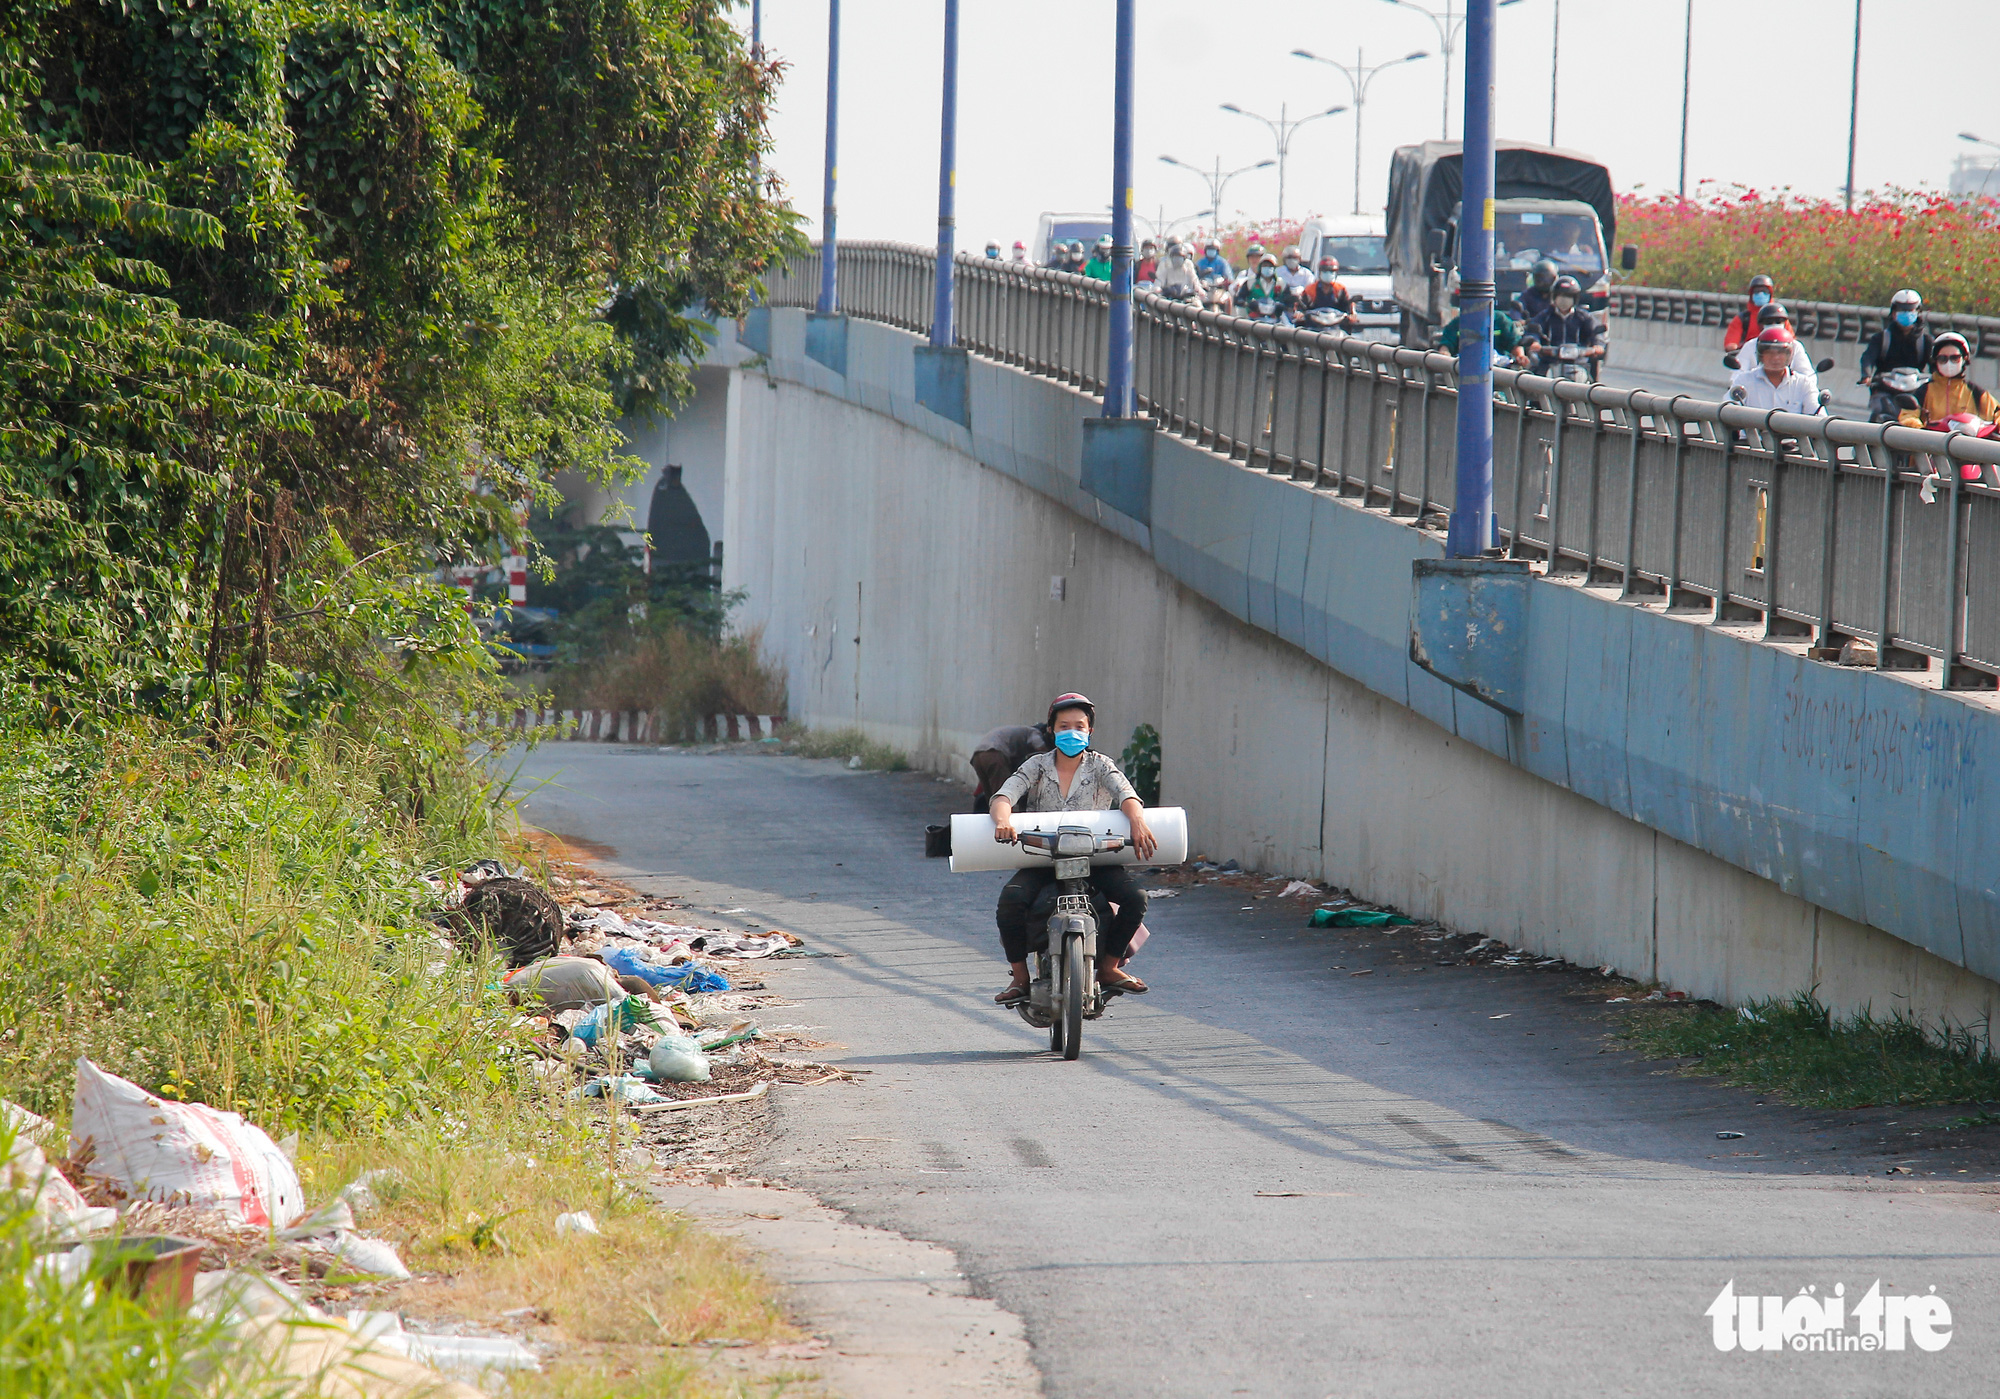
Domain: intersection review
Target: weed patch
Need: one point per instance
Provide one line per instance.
(1796, 1048)
(843, 743)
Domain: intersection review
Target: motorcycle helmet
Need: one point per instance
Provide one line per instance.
(1293, 255)
(1904, 307)
(1267, 261)
(1773, 314)
(1254, 252)
(1764, 284)
(1329, 264)
(1072, 700)
(1545, 272)
(1566, 286)
(1951, 339)
(1777, 337)
(1104, 244)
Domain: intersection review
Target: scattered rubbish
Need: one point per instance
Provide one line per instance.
(1161, 893)
(187, 1152)
(1357, 918)
(564, 983)
(762, 1087)
(1296, 888)
(854, 763)
(1230, 867)
(1728, 1136)
(463, 1357)
(627, 1088)
(1366, 971)
(62, 1213)
(372, 1257)
(1745, 1013)
(745, 945)
(1619, 1001)
(721, 1037)
(1900, 1171)
(1503, 1015)
(360, 1193)
(688, 976)
(515, 917)
(1248, 908)
(1604, 971)
(630, 1011)
(330, 1217)
(678, 1058)
(576, 1222)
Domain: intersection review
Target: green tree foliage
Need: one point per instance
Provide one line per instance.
(306, 297)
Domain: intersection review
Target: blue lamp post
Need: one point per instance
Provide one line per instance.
(1471, 531)
(829, 299)
(940, 367)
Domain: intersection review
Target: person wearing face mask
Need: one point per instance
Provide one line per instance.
(1295, 274)
(1564, 323)
(1511, 340)
(1949, 391)
(1178, 276)
(992, 249)
(1265, 297)
(1904, 342)
(1214, 264)
(1744, 326)
(1072, 778)
(1020, 253)
(1768, 316)
(1099, 265)
(1326, 292)
(1253, 258)
(1147, 268)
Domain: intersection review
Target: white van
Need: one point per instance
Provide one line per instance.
(1066, 228)
(1364, 265)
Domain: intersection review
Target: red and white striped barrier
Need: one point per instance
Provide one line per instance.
(623, 725)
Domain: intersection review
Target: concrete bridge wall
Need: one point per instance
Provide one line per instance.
(926, 582)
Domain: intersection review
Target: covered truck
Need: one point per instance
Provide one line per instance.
(1548, 203)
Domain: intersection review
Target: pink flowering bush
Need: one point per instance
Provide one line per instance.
(1948, 250)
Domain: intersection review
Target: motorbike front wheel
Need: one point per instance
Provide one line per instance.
(1069, 1017)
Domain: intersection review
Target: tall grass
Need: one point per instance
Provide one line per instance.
(675, 671)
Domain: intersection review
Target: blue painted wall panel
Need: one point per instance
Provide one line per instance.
(1594, 699)
(1662, 718)
(1296, 513)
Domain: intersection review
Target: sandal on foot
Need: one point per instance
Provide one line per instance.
(1013, 995)
(1120, 982)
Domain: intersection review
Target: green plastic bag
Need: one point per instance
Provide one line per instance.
(1356, 918)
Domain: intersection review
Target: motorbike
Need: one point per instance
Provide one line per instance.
(1327, 318)
(1258, 306)
(1889, 390)
(1565, 362)
(1064, 991)
(1215, 293)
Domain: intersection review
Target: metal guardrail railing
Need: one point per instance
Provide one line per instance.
(1817, 528)
(1813, 320)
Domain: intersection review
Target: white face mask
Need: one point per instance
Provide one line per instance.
(1951, 369)
(1292, 262)
(1327, 278)
(1565, 304)
(1267, 273)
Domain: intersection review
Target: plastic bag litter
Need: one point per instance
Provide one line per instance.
(576, 1222)
(1357, 918)
(564, 983)
(372, 1257)
(187, 1152)
(631, 1011)
(722, 1036)
(463, 1357)
(61, 1212)
(360, 1192)
(628, 1088)
(678, 1059)
(1295, 888)
(689, 976)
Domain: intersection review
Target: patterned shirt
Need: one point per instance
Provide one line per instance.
(1097, 786)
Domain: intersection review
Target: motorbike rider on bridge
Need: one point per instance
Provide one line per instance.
(1564, 324)
(1072, 778)
(1772, 382)
(1950, 393)
(1214, 264)
(1179, 277)
(1904, 342)
(1535, 298)
(1327, 292)
(1745, 326)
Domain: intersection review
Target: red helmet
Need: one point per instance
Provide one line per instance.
(1072, 700)
(1329, 264)
(1775, 335)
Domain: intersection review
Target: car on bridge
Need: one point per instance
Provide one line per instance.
(1363, 252)
(1066, 228)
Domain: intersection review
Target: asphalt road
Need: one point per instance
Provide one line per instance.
(1308, 1163)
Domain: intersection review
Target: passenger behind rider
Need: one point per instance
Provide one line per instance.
(1326, 292)
(1745, 325)
(1295, 274)
(1072, 778)
(1802, 362)
(1565, 323)
(1949, 391)
(1535, 299)
(1903, 342)
(1099, 265)
(1772, 382)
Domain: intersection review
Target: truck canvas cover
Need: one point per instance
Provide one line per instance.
(1425, 183)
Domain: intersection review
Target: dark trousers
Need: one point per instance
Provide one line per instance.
(994, 770)
(1029, 898)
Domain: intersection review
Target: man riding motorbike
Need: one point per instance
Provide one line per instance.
(1099, 265)
(1768, 316)
(1266, 297)
(1511, 340)
(1772, 382)
(1072, 778)
(1326, 292)
(1214, 264)
(1020, 253)
(993, 248)
(1904, 342)
(1535, 298)
(1745, 325)
(1178, 276)
(1949, 391)
(1253, 258)
(1564, 324)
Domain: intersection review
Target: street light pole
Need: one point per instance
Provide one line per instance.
(1471, 530)
(757, 58)
(941, 312)
(1853, 103)
(1118, 343)
(1555, 66)
(1358, 78)
(1687, 70)
(1218, 181)
(1282, 131)
(1448, 29)
(829, 262)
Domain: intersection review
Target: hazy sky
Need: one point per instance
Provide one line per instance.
(1769, 108)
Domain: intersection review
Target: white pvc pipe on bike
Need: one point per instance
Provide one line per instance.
(974, 850)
